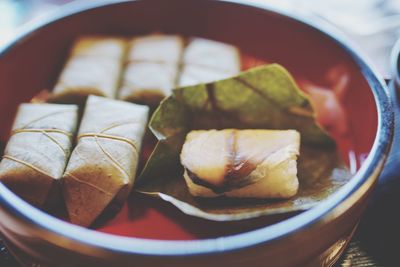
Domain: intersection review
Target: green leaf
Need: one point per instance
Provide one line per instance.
(321, 173)
(266, 97)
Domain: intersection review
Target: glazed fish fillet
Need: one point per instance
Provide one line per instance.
(241, 163)
(93, 68)
(102, 167)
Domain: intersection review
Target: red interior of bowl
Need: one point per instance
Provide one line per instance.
(33, 65)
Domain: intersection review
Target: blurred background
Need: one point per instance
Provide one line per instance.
(373, 25)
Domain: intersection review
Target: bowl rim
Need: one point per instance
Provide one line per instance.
(130, 245)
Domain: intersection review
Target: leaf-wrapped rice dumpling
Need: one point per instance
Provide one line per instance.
(38, 150)
(152, 68)
(103, 165)
(206, 61)
(93, 68)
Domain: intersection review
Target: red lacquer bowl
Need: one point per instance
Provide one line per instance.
(148, 232)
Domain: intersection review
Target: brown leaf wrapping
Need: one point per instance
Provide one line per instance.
(93, 68)
(152, 68)
(206, 61)
(38, 151)
(103, 165)
(158, 63)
